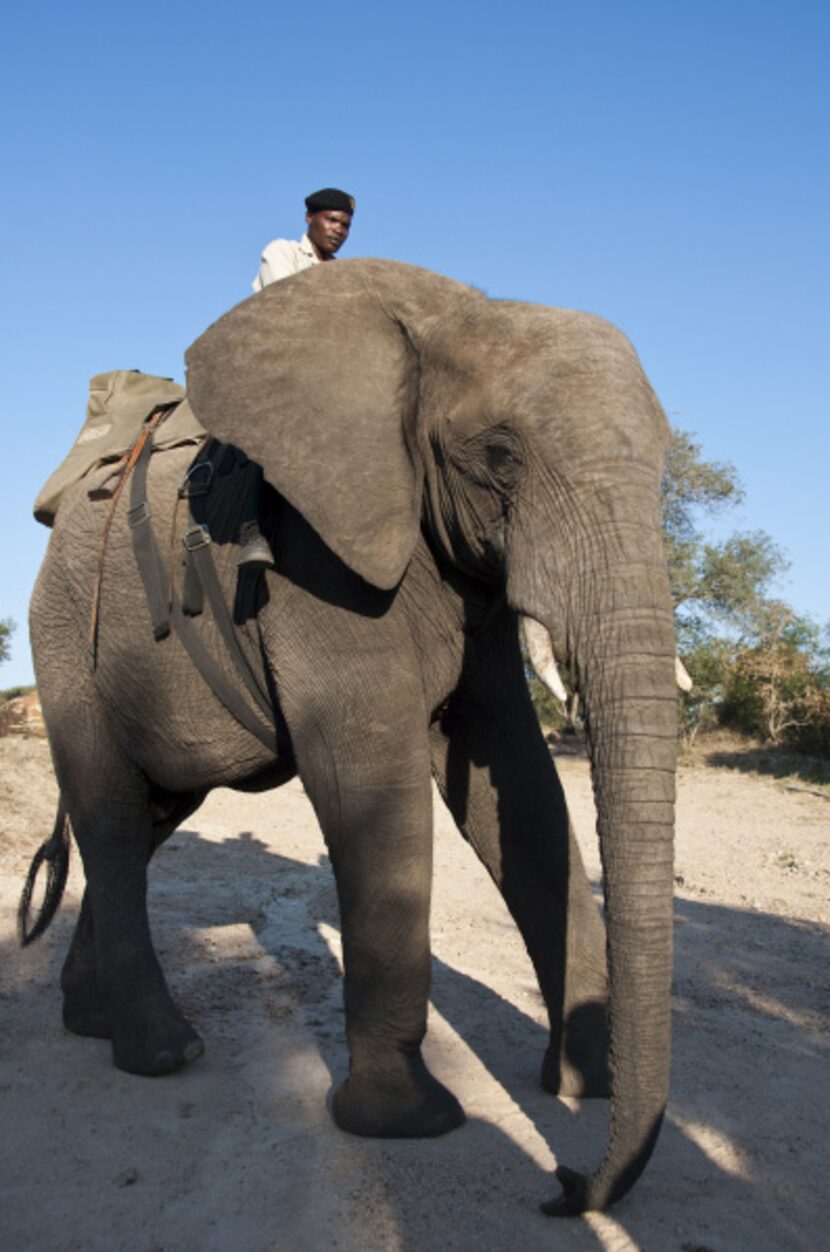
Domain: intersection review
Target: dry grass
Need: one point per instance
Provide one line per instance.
(724, 749)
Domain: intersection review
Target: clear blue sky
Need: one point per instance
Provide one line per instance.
(659, 162)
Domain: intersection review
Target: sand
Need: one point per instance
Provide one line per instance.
(239, 1152)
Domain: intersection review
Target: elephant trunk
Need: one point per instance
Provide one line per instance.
(624, 652)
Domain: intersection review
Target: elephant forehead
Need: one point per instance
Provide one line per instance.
(561, 379)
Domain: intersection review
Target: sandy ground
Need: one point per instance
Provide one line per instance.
(239, 1152)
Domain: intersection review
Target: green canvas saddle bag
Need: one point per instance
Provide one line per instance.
(118, 404)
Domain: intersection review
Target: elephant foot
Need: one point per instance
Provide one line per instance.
(85, 1015)
(579, 1066)
(84, 1011)
(413, 1105)
(157, 1043)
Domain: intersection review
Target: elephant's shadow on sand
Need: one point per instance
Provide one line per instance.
(725, 983)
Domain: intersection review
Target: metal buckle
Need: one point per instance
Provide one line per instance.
(189, 488)
(196, 537)
(138, 514)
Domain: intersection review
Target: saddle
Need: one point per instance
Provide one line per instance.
(201, 584)
(118, 405)
(130, 416)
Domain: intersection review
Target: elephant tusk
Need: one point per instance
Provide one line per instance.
(540, 650)
(684, 682)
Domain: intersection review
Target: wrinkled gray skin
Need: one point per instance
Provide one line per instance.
(444, 462)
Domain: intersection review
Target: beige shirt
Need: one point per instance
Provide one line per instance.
(282, 258)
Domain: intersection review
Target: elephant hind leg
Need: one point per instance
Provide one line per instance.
(84, 1010)
(112, 982)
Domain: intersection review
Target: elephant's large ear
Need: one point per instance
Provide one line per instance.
(316, 381)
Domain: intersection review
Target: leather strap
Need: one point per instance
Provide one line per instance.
(165, 607)
(218, 681)
(201, 580)
(197, 542)
(196, 482)
(147, 555)
(144, 440)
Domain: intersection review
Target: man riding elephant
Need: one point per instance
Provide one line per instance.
(328, 222)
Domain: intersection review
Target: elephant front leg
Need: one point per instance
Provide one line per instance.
(369, 780)
(383, 880)
(495, 773)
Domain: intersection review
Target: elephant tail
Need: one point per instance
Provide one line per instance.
(55, 852)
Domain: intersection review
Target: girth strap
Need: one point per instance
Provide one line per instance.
(197, 542)
(166, 608)
(218, 681)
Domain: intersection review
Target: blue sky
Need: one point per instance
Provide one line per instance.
(663, 164)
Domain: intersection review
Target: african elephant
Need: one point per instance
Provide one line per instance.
(442, 463)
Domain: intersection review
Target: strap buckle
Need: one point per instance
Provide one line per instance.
(196, 537)
(138, 514)
(197, 480)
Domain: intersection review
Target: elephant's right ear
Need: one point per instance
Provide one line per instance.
(317, 382)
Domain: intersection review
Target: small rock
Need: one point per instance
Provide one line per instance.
(126, 1178)
(22, 716)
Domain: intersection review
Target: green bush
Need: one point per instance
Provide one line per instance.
(11, 693)
(7, 629)
(549, 710)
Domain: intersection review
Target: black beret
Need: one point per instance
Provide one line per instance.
(329, 198)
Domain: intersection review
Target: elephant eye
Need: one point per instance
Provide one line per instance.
(491, 459)
(501, 458)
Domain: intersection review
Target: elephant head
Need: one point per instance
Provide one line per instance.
(379, 398)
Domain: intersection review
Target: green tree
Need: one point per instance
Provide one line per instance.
(691, 486)
(755, 663)
(548, 709)
(7, 629)
(708, 660)
(778, 685)
(712, 584)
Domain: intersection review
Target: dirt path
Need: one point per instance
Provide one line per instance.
(238, 1152)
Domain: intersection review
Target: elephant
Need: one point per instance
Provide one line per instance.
(438, 464)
